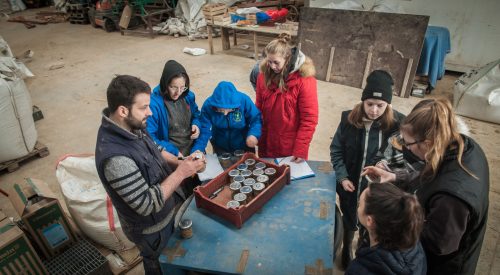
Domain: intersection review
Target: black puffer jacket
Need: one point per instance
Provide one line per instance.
(349, 154)
(379, 261)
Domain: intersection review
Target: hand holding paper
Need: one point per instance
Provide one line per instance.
(299, 170)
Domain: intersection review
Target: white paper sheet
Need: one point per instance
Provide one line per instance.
(297, 170)
(213, 168)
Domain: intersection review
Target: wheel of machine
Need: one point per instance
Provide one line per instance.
(338, 233)
(293, 13)
(109, 25)
(92, 21)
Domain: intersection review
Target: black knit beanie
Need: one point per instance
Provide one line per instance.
(378, 86)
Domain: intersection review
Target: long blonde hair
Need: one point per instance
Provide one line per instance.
(434, 120)
(283, 47)
(357, 114)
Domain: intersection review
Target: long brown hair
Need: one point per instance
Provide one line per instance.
(283, 47)
(398, 216)
(357, 114)
(434, 120)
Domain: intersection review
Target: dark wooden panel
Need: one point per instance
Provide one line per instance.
(388, 37)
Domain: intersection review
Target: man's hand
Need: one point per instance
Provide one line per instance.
(378, 173)
(296, 159)
(195, 132)
(348, 185)
(189, 166)
(252, 141)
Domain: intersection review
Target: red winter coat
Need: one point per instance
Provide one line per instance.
(289, 118)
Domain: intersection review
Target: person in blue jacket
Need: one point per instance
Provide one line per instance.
(230, 120)
(175, 123)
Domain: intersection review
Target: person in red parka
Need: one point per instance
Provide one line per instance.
(288, 99)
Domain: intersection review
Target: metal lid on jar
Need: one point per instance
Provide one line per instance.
(246, 173)
(239, 178)
(225, 156)
(246, 189)
(270, 171)
(232, 204)
(258, 172)
(239, 153)
(240, 197)
(242, 167)
(248, 182)
(260, 165)
(250, 162)
(263, 178)
(258, 186)
(235, 186)
(185, 224)
(234, 173)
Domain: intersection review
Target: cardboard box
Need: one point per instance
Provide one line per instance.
(17, 256)
(42, 216)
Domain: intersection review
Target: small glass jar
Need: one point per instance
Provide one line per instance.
(260, 165)
(235, 188)
(237, 154)
(271, 173)
(240, 198)
(257, 172)
(248, 182)
(242, 167)
(248, 191)
(232, 204)
(239, 179)
(250, 163)
(186, 227)
(264, 179)
(246, 173)
(233, 173)
(258, 187)
(225, 160)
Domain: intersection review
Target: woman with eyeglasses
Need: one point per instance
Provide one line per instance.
(394, 220)
(362, 132)
(287, 96)
(174, 124)
(452, 187)
(230, 120)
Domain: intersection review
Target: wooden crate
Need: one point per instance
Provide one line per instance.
(219, 20)
(214, 9)
(239, 215)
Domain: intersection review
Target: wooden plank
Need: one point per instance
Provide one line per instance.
(354, 34)
(210, 39)
(329, 70)
(407, 77)
(367, 69)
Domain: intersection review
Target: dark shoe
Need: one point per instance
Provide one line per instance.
(347, 255)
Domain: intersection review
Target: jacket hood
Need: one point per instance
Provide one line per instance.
(172, 69)
(225, 96)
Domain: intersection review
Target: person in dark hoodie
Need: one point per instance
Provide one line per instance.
(394, 220)
(230, 120)
(175, 123)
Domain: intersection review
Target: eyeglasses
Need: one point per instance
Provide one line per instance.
(405, 144)
(180, 89)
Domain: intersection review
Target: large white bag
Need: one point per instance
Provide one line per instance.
(18, 133)
(477, 93)
(89, 203)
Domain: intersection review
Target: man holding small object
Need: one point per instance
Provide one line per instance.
(142, 180)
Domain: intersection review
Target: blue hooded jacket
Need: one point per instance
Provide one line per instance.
(157, 124)
(229, 132)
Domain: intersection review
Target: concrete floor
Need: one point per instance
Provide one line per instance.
(73, 97)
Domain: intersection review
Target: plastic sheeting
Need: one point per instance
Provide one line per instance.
(477, 93)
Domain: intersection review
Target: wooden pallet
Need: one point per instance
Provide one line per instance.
(40, 150)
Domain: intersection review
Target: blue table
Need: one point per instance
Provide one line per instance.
(292, 234)
(436, 46)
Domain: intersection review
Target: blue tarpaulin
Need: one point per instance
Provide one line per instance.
(436, 46)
